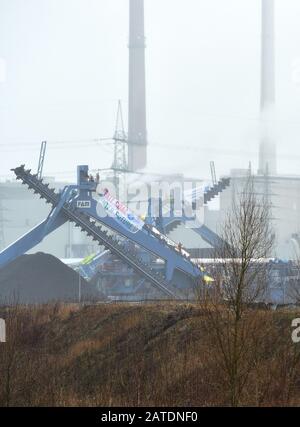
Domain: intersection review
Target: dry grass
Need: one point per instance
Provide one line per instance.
(134, 354)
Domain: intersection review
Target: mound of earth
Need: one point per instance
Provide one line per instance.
(42, 278)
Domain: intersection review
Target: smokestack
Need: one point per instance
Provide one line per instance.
(137, 129)
(267, 148)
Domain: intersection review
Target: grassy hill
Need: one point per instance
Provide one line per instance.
(132, 354)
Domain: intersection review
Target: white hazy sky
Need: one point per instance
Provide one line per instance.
(67, 65)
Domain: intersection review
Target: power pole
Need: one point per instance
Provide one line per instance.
(213, 173)
(120, 165)
(2, 238)
(41, 159)
(79, 288)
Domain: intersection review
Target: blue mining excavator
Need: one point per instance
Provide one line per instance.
(147, 263)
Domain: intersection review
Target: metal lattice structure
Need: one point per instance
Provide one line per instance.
(120, 144)
(75, 203)
(120, 162)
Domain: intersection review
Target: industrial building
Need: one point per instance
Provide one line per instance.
(282, 194)
(21, 211)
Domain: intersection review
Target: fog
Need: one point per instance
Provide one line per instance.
(67, 65)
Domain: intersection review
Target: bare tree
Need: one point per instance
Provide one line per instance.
(10, 352)
(235, 329)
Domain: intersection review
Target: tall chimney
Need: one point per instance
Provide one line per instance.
(267, 148)
(137, 129)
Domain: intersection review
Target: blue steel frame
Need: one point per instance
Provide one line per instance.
(79, 197)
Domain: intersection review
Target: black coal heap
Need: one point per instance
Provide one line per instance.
(41, 278)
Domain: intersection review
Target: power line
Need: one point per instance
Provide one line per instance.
(103, 141)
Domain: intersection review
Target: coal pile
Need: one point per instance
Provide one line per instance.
(41, 278)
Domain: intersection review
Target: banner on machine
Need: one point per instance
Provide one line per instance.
(121, 213)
